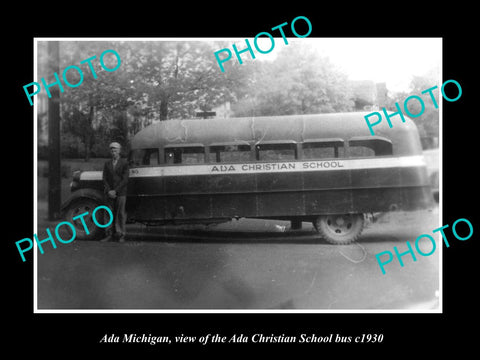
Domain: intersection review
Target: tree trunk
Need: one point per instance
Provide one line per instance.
(87, 149)
(54, 162)
(164, 108)
(89, 134)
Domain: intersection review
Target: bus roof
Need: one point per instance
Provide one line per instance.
(268, 129)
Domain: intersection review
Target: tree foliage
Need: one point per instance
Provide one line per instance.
(429, 120)
(157, 80)
(160, 80)
(297, 81)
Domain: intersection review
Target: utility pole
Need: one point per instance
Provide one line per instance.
(54, 176)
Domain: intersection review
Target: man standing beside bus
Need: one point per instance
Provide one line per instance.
(115, 180)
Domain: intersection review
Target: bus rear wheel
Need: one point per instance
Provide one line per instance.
(340, 229)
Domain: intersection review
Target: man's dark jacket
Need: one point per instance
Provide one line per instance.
(116, 178)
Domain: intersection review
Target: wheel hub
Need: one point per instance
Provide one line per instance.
(339, 224)
(340, 228)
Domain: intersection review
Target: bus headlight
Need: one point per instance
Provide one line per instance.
(75, 180)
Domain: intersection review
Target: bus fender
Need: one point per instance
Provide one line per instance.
(82, 193)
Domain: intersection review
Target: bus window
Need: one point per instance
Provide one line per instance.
(139, 157)
(229, 153)
(323, 150)
(370, 147)
(173, 156)
(185, 155)
(276, 152)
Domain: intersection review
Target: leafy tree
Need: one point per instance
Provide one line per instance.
(298, 81)
(79, 124)
(156, 80)
(428, 122)
(173, 79)
(80, 106)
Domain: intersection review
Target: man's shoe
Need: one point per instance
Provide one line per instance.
(121, 239)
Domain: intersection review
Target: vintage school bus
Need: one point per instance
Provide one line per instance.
(326, 169)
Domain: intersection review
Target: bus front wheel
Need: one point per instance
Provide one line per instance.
(79, 207)
(340, 229)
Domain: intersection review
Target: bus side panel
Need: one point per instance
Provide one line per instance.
(402, 188)
(390, 199)
(414, 176)
(376, 200)
(188, 207)
(144, 198)
(187, 197)
(416, 191)
(327, 192)
(146, 207)
(234, 205)
(233, 195)
(416, 198)
(376, 189)
(319, 202)
(231, 183)
(279, 194)
(271, 204)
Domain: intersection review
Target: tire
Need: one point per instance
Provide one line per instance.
(79, 207)
(340, 229)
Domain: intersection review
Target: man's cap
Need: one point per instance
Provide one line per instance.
(115, 145)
